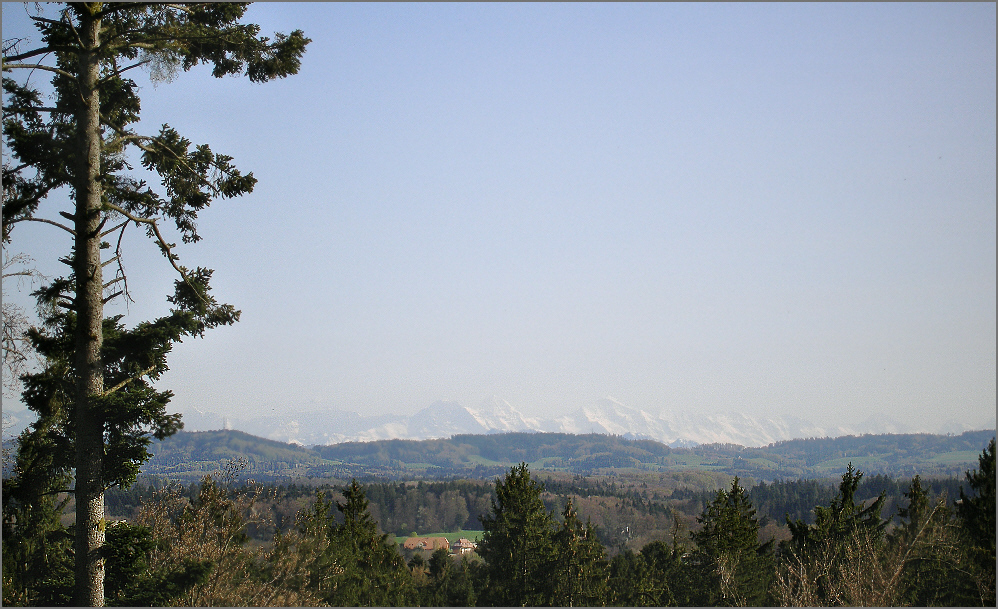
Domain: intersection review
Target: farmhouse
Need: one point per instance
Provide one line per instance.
(463, 546)
(425, 543)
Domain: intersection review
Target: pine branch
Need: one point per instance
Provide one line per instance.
(22, 110)
(126, 136)
(114, 7)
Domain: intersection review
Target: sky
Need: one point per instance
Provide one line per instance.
(766, 209)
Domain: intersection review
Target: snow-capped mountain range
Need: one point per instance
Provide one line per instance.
(495, 415)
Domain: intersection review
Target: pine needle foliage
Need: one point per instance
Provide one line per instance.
(85, 140)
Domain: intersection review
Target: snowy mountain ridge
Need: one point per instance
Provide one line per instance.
(495, 415)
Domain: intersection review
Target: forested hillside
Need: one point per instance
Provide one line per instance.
(187, 456)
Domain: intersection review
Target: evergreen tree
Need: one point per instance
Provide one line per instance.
(657, 577)
(37, 548)
(311, 546)
(840, 520)
(675, 582)
(934, 561)
(915, 513)
(355, 564)
(736, 568)
(82, 142)
(839, 558)
(450, 583)
(632, 582)
(132, 412)
(580, 571)
(134, 579)
(977, 516)
(516, 543)
(440, 563)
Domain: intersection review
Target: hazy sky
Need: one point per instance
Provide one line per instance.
(771, 209)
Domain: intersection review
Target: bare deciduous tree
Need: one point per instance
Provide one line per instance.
(17, 353)
(211, 530)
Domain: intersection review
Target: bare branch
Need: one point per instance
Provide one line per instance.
(121, 268)
(167, 249)
(33, 52)
(134, 65)
(69, 22)
(37, 66)
(128, 137)
(112, 297)
(145, 46)
(128, 380)
(111, 230)
(52, 222)
(16, 347)
(44, 20)
(180, 7)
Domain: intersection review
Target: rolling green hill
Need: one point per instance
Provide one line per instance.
(190, 455)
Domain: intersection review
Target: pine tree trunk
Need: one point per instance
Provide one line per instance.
(90, 313)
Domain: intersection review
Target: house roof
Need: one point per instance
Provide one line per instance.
(425, 543)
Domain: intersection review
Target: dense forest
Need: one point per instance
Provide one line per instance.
(548, 538)
(644, 505)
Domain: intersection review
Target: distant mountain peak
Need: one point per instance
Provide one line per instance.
(443, 419)
(497, 415)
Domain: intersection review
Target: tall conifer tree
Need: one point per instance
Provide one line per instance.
(736, 568)
(840, 520)
(83, 142)
(353, 564)
(830, 544)
(516, 543)
(977, 515)
(579, 577)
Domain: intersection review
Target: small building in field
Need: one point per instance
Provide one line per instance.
(426, 543)
(463, 546)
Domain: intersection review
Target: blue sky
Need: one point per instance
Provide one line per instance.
(770, 209)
